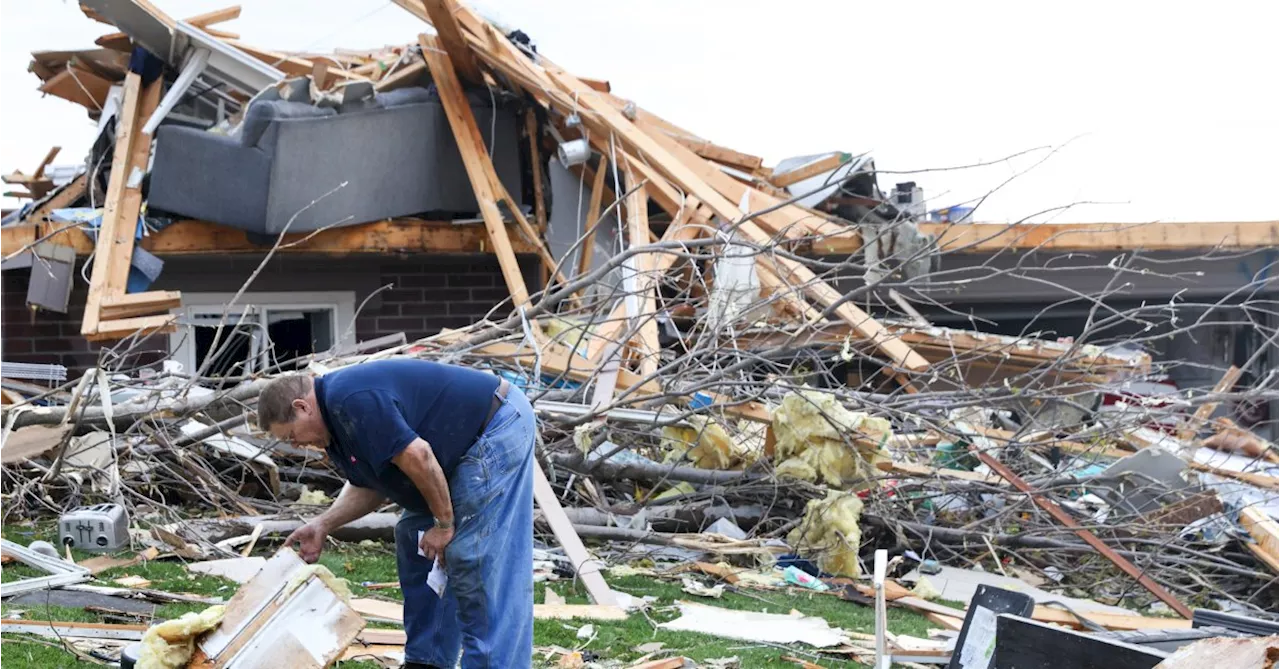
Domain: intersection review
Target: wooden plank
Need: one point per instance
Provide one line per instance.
(720, 154)
(116, 41)
(377, 608)
(535, 155)
(215, 17)
(120, 215)
(637, 203)
(597, 84)
(475, 160)
(990, 237)
(555, 360)
(1111, 621)
(813, 169)
(405, 75)
(1193, 424)
(48, 158)
(489, 189)
(1089, 537)
(587, 569)
(143, 325)
(187, 237)
(139, 304)
(79, 86)
(1266, 533)
(441, 14)
(292, 65)
(122, 232)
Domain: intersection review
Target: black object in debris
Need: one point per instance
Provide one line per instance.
(521, 38)
(1023, 643)
(130, 655)
(980, 623)
(1245, 624)
(146, 65)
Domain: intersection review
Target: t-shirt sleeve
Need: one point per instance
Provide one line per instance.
(379, 427)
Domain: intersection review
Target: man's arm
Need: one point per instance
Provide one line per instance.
(352, 503)
(419, 463)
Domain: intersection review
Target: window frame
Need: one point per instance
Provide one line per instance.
(199, 304)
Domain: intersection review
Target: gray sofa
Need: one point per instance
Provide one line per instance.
(395, 151)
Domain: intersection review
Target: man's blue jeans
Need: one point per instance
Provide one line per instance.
(487, 607)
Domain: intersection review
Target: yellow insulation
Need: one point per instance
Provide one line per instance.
(818, 439)
(829, 533)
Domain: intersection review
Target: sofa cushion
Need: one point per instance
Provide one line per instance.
(261, 114)
(406, 96)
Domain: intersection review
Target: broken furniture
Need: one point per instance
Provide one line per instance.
(291, 164)
(277, 617)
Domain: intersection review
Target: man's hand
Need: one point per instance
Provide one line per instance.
(434, 541)
(310, 540)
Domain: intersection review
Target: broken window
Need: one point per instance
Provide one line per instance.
(264, 332)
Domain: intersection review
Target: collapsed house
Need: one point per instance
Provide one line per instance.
(791, 349)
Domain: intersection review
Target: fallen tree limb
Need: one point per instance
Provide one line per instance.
(127, 414)
(654, 472)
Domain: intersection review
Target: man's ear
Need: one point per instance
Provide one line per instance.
(300, 404)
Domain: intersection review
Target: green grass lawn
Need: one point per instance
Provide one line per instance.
(361, 564)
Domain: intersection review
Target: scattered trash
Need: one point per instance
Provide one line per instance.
(756, 627)
(794, 576)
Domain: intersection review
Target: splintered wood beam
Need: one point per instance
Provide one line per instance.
(475, 160)
(48, 158)
(403, 76)
(65, 198)
(442, 15)
(116, 42)
(92, 14)
(484, 178)
(535, 154)
(597, 84)
(558, 361)
(609, 120)
(642, 308)
(114, 249)
(215, 17)
(813, 169)
(720, 154)
(1225, 384)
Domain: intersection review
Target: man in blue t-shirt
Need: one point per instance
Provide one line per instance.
(454, 448)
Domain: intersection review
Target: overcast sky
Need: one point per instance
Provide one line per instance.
(1158, 111)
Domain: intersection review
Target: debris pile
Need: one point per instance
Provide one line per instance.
(709, 391)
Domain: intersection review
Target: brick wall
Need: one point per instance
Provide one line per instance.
(42, 336)
(434, 293)
(428, 292)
